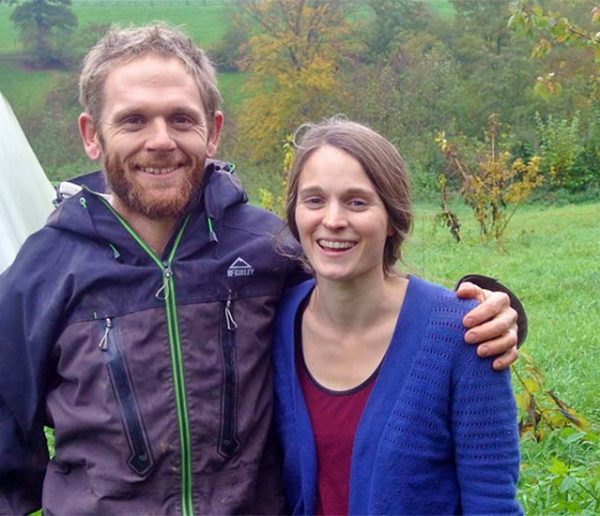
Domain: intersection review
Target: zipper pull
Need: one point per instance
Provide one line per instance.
(104, 341)
(163, 292)
(231, 324)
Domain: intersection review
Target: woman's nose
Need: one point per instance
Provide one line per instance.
(334, 217)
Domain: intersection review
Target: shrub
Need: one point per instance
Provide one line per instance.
(491, 184)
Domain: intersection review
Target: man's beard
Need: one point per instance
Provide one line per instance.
(154, 203)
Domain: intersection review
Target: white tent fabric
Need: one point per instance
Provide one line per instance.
(26, 194)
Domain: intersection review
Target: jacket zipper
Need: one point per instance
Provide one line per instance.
(228, 441)
(168, 296)
(140, 460)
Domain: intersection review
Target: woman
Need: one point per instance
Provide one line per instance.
(380, 407)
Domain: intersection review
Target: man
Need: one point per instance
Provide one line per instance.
(137, 324)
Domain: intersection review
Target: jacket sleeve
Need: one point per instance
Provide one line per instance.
(485, 435)
(25, 341)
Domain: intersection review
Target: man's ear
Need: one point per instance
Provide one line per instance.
(213, 137)
(89, 136)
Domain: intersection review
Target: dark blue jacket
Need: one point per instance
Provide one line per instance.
(154, 371)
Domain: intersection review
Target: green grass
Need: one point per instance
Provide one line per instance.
(205, 23)
(550, 259)
(26, 89)
(231, 85)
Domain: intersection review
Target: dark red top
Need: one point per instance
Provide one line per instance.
(334, 416)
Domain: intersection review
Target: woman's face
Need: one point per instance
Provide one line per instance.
(341, 220)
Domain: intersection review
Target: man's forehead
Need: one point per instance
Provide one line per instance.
(153, 62)
(150, 75)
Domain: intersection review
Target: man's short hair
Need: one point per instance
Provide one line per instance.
(120, 45)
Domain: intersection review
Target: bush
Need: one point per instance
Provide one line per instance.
(570, 156)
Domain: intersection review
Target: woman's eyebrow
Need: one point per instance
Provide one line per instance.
(315, 189)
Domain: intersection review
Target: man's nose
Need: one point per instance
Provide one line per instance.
(160, 137)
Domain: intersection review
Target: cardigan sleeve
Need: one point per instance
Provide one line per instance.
(486, 442)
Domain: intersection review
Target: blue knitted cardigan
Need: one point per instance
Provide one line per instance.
(438, 434)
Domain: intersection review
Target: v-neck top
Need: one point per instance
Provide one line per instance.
(438, 434)
(334, 415)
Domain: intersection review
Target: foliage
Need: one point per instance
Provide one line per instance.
(486, 19)
(540, 409)
(447, 217)
(56, 121)
(551, 263)
(569, 153)
(561, 475)
(45, 26)
(414, 95)
(231, 50)
(552, 30)
(393, 21)
(560, 147)
(544, 417)
(495, 187)
(293, 61)
(276, 202)
(405, 67)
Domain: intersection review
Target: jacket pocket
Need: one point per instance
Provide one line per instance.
(228, 440)
(140, 459)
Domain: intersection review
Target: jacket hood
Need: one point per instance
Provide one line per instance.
(80, 208)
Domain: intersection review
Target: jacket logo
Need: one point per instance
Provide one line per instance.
(240, 267)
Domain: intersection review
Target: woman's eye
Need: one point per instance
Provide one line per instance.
(313, 202)
(357, 203)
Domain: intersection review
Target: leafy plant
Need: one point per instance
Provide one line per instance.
(551, 30)
(276, 201)
(560, 147)
(556, 474)
(494, 187)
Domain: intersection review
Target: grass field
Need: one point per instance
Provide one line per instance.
(550, 259)
(205, 23)
(26, 89)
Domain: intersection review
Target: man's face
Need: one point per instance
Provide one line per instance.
(153, 136)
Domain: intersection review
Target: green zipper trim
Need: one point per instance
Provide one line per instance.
(187, 508)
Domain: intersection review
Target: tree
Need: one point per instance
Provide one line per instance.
(393, 21)
(485, 19)
(553, 32)
(44, 26)
(409, 99)
(493, 65)
(293, 66)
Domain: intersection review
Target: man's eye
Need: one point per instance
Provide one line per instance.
(182, 121)
(133, 122)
